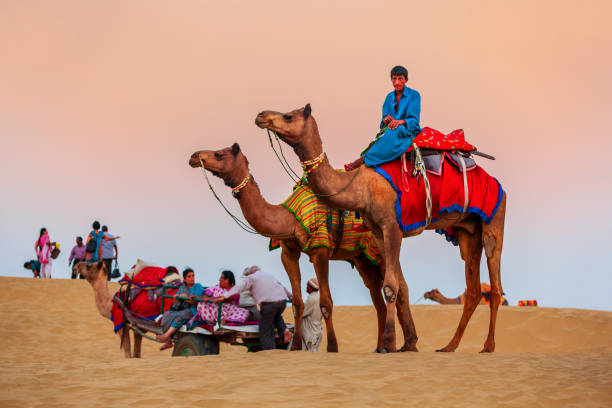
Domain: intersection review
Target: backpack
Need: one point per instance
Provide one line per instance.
(92, 244)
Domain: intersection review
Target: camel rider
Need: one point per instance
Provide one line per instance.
(401, 112)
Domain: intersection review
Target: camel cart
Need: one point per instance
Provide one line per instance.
(200, 341)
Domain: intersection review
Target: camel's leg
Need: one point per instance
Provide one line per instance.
(137, 345)
(493, 239)
(405, 317)
(471, 252)
(320, 261)
(372, 279)
(124, 335)
(390, 244)
(290, 257)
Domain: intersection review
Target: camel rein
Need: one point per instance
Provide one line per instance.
(235, 191)
(314, 163)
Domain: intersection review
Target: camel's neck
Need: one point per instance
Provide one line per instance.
(335, 188)
(265, 218)
(104, 300)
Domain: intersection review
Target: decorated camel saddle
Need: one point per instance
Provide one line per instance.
(141, 291)
(438, 174)
(328, 227)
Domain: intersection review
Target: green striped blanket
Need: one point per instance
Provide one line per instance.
(322, 223)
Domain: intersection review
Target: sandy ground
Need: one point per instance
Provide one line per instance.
(57, 351)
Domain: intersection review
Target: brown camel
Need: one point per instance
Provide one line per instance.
(95, 274)
(232, 166)
(366, 191)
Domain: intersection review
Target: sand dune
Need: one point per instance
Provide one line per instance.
(57, 351)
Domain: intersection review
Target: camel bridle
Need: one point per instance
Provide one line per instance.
(308, 166)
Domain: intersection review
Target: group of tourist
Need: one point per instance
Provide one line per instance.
(99, 246)
(258, 298)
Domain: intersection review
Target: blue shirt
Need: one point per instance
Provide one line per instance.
(197, 290)
(396, 141)
(107, 247)
(409, 109)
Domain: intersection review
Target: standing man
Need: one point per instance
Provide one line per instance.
(271, 295)
(77, 254)
(109, 250)
(312, 330)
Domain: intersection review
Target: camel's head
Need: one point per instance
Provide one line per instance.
(92, 271)
(292, 127)
(229, 164)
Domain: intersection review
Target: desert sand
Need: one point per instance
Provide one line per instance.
(56, 351)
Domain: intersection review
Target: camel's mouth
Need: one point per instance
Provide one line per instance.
(261, 121)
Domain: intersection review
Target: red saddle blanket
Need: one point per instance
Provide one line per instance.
(447, 194)
(145, 302)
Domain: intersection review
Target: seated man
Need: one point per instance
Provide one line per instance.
(485, 288)
(401, 114)
(182, 310)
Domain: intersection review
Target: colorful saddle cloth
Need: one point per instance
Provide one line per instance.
(447, 194)
(144, 297)
(322, 223)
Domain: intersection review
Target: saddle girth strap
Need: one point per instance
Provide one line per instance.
(465, 185)
(339, 232)
(420, 168)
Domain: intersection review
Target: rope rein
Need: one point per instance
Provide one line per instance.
(235, 191)
(284, 163)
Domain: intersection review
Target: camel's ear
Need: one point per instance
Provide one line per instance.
(307, 110)
(99, 264)
(235, 149)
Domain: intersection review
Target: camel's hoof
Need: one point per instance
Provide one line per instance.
(486, 350)
(408, 348)
(446, 350)
(381, 351)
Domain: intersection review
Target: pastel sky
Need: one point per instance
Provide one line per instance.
(102, 102)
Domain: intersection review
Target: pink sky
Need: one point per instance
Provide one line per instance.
(103, 102)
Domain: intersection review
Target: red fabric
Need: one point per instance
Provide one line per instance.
(150, 277)
(433, 139)
(447, 194)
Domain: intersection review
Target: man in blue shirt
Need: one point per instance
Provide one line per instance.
(401, 113)
(109, 250)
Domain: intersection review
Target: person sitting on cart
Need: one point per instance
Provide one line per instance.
(271, 295)
(181, 310)
(208, 312)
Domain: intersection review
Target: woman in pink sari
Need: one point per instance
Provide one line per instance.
(230, 312)
(43, 246)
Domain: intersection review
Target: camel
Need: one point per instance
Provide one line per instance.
(95, 274)
(231, 165)
(366, 191)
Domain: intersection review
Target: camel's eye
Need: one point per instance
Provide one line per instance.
(287, 117)
(218, 155)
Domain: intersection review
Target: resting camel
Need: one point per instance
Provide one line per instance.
(95, 274)
(366, 191)
(231, 165)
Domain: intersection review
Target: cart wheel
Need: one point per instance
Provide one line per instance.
(195, 345)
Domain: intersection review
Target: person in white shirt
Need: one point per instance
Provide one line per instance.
(312, 329)
(247, 301)
(271, 295)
